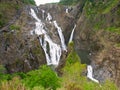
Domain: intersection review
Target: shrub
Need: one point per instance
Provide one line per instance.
(44, 77)
(14, 84)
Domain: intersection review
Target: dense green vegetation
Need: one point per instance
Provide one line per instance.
(73, 78)
(103, 7)
(4, 7)
(97, 10)
(69, 2)
(29, 2)
(9, 8)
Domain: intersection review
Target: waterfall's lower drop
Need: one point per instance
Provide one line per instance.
(90, 74)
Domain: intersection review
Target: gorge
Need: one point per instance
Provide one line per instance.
(39, 35)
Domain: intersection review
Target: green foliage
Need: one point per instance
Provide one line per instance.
(114, 29)
(14, 84)
(44, 77)
(69, 2)
(2, 22)
(38, 88)
(2, 69)
(99, 7)
(29, 2)
(3, 76)
(118, 44)
(7, 10)
(108, 6)
(14, 27)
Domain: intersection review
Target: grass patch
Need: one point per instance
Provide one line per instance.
(114, 29)
(108, 6)
(99, 7)
(14, 27)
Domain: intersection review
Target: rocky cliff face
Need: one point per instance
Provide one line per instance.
(19, 51)
(96, 37)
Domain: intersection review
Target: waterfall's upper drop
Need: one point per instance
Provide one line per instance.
(71, 36)
(38, 2)
(52, 50)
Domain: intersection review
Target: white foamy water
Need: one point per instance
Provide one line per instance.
(43, 14)
(72, 33)
(52, 50)
(67, 10)
(49, 17)
(90, 74)
(61, 36)
(38, 2)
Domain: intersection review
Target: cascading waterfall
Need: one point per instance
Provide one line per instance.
(43, 13)
(90, 74)
(51, 49)
(89, 67)
(61, 36)
(71, 36)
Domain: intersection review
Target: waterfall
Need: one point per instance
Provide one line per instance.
(90, 74)
(71, 36)
(52, 50)
(49, 17)
(67, 10)
(43, 14)
(60, 35)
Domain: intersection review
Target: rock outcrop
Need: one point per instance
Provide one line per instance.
(19, 50)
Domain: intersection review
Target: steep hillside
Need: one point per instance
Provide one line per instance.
(30, 36)
(18, 50)
(97, 37)
(10, 9)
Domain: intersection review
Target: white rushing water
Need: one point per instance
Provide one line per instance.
(90, 74)
(43, 14)
(67, 10)
(61, 36)
(52, 50)
(49, 17)
(71, 36)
